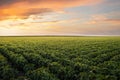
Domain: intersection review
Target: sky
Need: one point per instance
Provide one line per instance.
(59, 17)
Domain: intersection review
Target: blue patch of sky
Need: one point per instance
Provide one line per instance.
(106, 7)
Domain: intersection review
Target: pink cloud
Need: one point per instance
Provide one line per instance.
(25, 8)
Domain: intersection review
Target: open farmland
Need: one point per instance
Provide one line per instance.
(59, 58)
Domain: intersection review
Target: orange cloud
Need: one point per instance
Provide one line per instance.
(24, 8)
(100, 19)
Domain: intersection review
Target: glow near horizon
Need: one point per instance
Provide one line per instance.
(45, 17)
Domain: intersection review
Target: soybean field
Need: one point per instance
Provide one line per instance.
(60, 58)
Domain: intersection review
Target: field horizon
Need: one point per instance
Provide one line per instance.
(59, 35)
(59, 39)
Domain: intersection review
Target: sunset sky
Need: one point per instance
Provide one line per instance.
(59, 17)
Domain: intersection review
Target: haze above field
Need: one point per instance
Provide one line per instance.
(59, 17)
